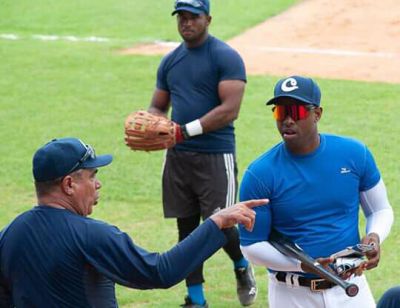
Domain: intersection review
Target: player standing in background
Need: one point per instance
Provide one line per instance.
(315, 183)
(203, 80)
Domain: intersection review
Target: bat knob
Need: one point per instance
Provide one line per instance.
(352, 290)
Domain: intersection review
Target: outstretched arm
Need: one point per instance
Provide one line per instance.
(113, 253)
(205, 241)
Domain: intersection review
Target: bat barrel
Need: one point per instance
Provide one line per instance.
(352, 290)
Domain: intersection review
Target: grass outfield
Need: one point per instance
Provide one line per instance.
(59, 88)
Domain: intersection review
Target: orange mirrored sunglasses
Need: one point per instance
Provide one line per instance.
(295, 111)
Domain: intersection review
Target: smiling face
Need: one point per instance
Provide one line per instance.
(193, 28)
(301, 135)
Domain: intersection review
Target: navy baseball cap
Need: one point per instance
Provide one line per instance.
(194, 6)
(301, 88)
(63, 156)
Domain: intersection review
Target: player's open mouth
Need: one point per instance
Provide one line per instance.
(288, 133)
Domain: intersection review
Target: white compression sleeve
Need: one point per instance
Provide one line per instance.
(377, 210)
(263, 253)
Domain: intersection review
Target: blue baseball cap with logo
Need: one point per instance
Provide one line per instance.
(194, 6)
(63, 156)
(300, 88)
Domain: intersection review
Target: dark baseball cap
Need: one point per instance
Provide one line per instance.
(63, 156)
(303, 89)
(194, 6)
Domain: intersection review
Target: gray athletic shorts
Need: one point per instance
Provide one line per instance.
(198, 183)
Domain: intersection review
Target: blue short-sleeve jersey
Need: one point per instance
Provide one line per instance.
(191, 76)
(314, 198)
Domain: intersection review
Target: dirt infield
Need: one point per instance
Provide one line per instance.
(342, 39)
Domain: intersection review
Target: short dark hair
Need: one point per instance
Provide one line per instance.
(46, 187)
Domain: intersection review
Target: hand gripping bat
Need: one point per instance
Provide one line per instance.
(289, 248)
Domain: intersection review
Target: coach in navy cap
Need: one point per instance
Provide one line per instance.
(61, 157)
(54, 255)
(62, 167)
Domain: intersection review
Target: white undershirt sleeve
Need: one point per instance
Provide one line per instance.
(263, 253)
(377, 210)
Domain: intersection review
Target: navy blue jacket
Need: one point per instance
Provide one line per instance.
(54, 258)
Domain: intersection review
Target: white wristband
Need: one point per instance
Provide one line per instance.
(194, 128)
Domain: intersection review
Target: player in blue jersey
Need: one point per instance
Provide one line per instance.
(316, 184)
(55, 256)
(203, 80)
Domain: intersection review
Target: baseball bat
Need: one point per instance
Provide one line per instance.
(291, 249)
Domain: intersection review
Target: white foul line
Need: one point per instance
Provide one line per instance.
(12, 37)
(44, 37)
(167, 44)
(95, 39)
(315, 51)
(332, 52)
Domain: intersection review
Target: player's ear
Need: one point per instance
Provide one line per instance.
(317, 114)
(67, 185)
(209, 18)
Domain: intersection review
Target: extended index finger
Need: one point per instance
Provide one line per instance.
(255, 202)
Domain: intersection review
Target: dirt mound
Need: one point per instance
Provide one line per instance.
(342, 39)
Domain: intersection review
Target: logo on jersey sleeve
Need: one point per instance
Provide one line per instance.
(289, 85)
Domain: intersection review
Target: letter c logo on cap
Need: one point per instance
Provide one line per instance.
(289, 85)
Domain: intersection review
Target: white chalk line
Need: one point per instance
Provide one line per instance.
(333, 52)
(167, 44)
(95, 39)
(46, 37)
(315, 51)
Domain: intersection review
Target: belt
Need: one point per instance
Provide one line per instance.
(314, 284)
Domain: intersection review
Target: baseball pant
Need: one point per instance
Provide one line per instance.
(281, 295)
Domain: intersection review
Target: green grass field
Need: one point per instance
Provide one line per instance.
(58, 88)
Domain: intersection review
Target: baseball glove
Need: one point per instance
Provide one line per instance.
(145, 131)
